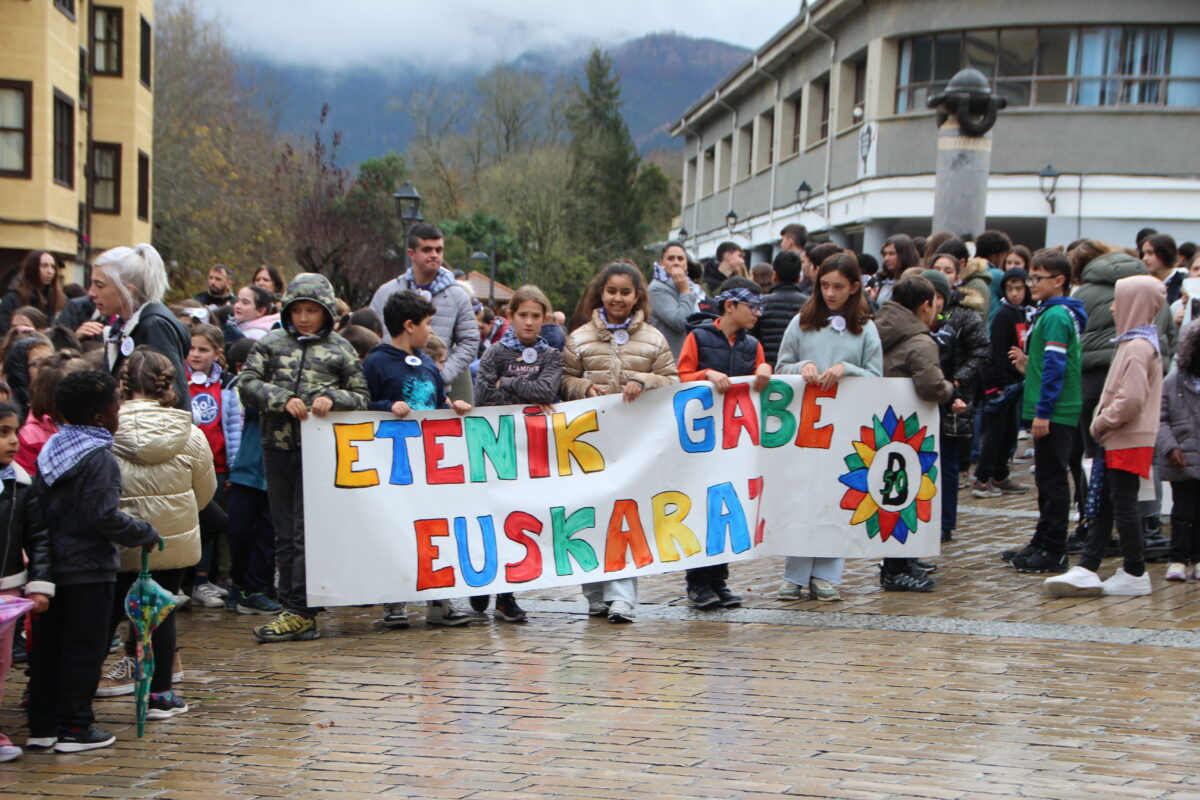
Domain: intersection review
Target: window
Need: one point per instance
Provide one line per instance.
(143, 187)
(745, 151)
(764, 145)
(690, 184)
(67, 7)
(106, 178)
(852, 92)
(710, 171)
(16, 135)
(724, 162)
(1085, 66)
(106, 40)
(146, 43)
(64, 140)
(84, 77)
(793, 107)
(818, 110)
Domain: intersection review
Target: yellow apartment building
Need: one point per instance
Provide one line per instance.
(76, 129)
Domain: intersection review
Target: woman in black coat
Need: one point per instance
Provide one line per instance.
(129, 282)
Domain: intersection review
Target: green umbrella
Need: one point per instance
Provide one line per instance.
(147, 604)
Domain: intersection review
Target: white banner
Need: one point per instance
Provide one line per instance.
(511, 498)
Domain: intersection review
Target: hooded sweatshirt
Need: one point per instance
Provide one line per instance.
(1053, 374)
(1127, 416)
(286, 363)
(909, 351)
(166, 478)
(394, 375)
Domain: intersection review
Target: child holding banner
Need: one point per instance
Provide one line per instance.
(615, 351)
(299, 367)
(401, 379)
(909, 351)
(521, 367)
(717, 351)
(832, 337)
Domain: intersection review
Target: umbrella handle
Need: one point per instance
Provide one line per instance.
(146, 555)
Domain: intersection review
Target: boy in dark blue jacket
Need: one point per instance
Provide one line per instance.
(401, 379)
(79, 487)
(717, 351)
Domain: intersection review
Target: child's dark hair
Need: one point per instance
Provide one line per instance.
(52, 370)
(63, 338)
(593, 294)
(1187, 353)
(736, 282)
(9, 410)
(367, 318)
(787, 265)
(1053, 261)
(360, 338)
(914, 292)
(82, 395)
(1018, 274)
(406, 306)
(822, 251)
(263, 300)
(148, 372)
(816, 313)
(238, 352)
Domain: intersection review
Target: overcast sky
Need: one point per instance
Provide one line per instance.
(458, 33)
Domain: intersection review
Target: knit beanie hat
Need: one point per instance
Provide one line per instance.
(940, 282)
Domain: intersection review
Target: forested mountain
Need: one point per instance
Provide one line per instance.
(661, 74)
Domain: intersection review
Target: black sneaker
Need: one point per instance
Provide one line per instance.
(479, 603)
(1009, 555)
(704, 597)
(1040, 561)
(1155, 547)
(76, 740)
(947, 536)
(906, 581)
(508, 610)
(728, 598)
(925, 566)
(1075, 544)
(164, 705)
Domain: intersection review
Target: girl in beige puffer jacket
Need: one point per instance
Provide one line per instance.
(167, 477)
(616, 351)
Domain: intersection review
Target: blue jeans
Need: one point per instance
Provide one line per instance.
(949, 454)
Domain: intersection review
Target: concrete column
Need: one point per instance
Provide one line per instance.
(960, 196)
(874, 235)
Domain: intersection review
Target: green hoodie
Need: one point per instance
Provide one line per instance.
(286, 364)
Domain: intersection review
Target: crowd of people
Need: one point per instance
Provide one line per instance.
(127, 425)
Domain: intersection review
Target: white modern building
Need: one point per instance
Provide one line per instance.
(826, 124)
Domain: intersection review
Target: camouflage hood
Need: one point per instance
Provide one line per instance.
(314, 287)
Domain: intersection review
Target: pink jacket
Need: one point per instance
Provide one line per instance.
(1127, 415)
(33, 437)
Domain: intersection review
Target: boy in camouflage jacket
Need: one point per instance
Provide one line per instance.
(303, 366)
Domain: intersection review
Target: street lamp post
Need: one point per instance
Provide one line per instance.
(408, 209)
(480, 256)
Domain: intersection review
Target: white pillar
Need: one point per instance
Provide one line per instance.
(874, 235)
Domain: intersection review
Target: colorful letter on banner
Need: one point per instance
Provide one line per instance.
(511, 498)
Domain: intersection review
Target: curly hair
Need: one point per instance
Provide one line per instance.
(51, 371)
(1187, 352)
(82, 395)
(150, 373)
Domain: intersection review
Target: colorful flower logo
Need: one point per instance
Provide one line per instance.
(893, 478)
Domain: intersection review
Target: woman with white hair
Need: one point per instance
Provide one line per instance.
(128, 283)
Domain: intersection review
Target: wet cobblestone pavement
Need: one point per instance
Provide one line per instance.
(982, 689)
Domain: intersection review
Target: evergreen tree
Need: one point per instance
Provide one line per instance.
(607, 202)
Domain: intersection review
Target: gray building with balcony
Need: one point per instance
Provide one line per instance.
(827, 125)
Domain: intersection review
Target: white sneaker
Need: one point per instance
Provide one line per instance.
(208, 595)
(620, 611)
(1196, 572)
(1075, 582)
(1177, 571)
(443, 612)
(1122, 584)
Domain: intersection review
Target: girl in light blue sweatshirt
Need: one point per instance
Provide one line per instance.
(832, 337)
